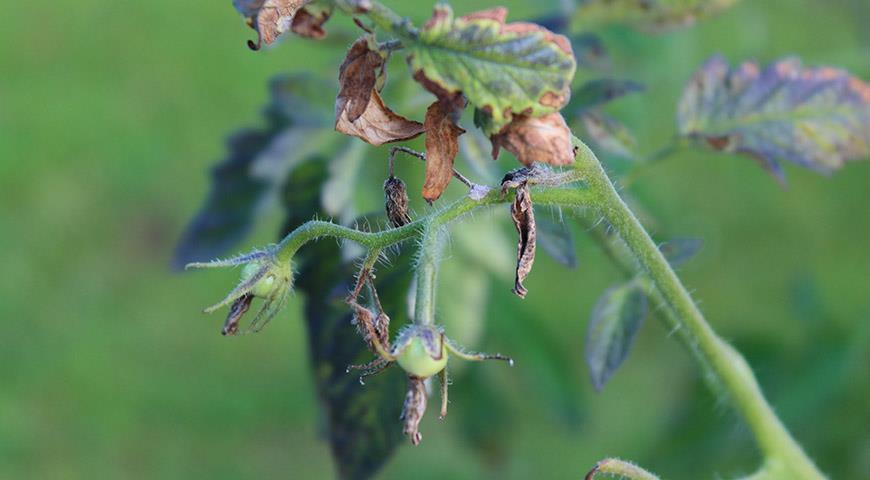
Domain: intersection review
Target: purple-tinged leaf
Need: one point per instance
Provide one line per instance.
(614, 323)
(818, 118)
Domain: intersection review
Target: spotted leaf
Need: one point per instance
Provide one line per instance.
(818, 118)
(648, 15)
(502, 68)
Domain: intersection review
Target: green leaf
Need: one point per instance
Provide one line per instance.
(615, 320)
(818, 118)
(555, 238)
(647, 15)
(595, 93)
(502, 68)
(362, 421)
(608, 134)
(680, 250)
(253, 171)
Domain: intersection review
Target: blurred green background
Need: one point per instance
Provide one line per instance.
(110, 115)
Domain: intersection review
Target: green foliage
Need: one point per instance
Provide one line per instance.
(613, 325)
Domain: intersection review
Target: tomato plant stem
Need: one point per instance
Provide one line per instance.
(725, 369)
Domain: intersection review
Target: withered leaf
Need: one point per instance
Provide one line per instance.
(270, 18)
(378, 124)
(442, 145)
(544, 139)
(356, 78)
(308, 22)
(523, 215)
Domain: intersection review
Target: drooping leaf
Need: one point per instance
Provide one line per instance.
(523, 215)
(556, 239)
(595, 93)
(615, 320)
(359, 108)
(362, 421)
(647, 15)
(818, 118)
(503, 68)
(252, 172)
(545, 139)
(270, 18)
(680, 250)
(442, 145)
(608, 134)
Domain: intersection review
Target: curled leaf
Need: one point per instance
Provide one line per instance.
(270, 18)
(503, 68)
(356, 78)
(359, 109)
(818, 118)
(442, 145)
(544, 139)
(614, 323)
(378, 124)
(308, 22)
(523, 215)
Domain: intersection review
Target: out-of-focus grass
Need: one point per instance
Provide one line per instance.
(110, 114)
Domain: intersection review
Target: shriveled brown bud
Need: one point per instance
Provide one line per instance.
(523, 215)
(237, 310)
(415, 407)
(396, 202)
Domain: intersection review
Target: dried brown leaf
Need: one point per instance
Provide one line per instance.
(442, 146)
(308, 22)
(378, 124)
(270, 18)
(357, 77)
(523, 215)
(545, 139)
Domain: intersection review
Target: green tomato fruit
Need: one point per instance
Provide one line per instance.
(264, 287)
(417, 361)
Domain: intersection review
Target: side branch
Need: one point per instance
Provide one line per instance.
(312, 230)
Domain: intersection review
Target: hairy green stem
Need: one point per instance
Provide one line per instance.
(725, 366)
(431, 247)
(315, 229)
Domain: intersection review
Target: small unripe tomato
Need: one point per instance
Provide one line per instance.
(417, 361)
(265, 286)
